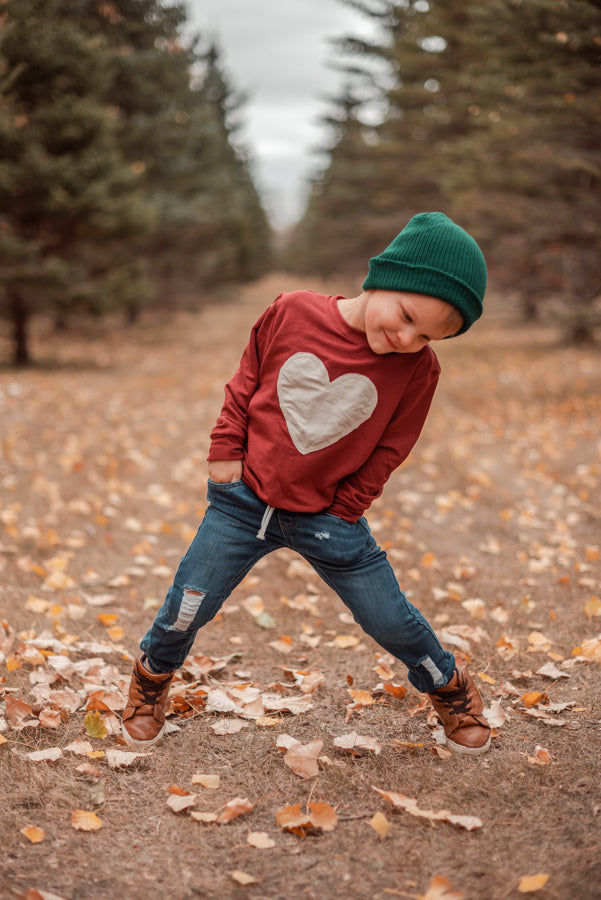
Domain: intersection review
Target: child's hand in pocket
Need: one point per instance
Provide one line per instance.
(224, 471)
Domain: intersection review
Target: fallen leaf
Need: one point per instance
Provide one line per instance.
(229, 726)
(211, 782)
(441, 889)
(380, 824)
(396, 690)
(409, 804)
(541, 757)
(353, 742)
(95, 726)
(318, 816)
(84, 820)
(239, 806)
(50, 718)
(120, 759)
(534, 698)
(81, 748)
(49, 755)
(34, 834)
(178, 802)
(302, 759)
(18, 713)
(203, 816)
(243, 877)
(362, 698)
(530, 883)
(260, 840)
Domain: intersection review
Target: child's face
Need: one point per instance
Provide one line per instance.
(396, 322)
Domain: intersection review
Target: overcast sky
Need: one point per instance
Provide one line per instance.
(277, 53)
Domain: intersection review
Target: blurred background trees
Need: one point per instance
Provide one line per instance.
(123, 181)
(491, 114)
(119, 178)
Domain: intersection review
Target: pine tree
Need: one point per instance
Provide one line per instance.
(493, 118)
(69, 202)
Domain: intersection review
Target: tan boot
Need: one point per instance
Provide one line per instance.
(460, 709)
(143, 721)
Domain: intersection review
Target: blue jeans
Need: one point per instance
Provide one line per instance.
(344, 554)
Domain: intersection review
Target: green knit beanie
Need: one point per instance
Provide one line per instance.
(433, 256)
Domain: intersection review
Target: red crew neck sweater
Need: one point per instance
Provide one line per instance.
(320, 420)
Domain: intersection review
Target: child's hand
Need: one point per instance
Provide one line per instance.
(225, 470)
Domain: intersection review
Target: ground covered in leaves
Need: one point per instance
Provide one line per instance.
(299, 761)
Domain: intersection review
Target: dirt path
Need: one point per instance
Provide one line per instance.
(494, 528)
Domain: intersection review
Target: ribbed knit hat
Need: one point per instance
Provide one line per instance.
(433, 256)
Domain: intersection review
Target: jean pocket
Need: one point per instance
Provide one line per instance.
(221, 487)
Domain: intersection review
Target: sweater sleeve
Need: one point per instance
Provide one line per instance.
(357, 491)
(229, 436)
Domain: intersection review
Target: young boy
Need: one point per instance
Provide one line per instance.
(330, 396)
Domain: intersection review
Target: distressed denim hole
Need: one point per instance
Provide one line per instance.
(189, 606)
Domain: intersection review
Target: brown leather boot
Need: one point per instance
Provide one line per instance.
(143, 721)
(460, 709)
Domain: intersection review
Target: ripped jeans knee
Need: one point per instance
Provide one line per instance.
(190, 604)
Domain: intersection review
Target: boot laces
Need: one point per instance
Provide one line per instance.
(148, 690)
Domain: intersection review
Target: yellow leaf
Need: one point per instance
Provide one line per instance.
(84, 820)
(115, 633)
(95, 725)
(380, 824)
(107, 619)
(592, 607)
(530, 883)
(34, 834)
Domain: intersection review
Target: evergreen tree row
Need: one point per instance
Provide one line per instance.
(120, 176)
(491, 115)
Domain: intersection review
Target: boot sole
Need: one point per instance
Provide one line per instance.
(468, 751)
(140, 745)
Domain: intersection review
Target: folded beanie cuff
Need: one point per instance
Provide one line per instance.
(386, 274)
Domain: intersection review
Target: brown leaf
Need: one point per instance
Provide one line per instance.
(318, 816)
(302, 759)
(239, 806)
(18, 713)
(441, 889)
(409, 804)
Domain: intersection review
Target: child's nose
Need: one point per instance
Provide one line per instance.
(405, 338)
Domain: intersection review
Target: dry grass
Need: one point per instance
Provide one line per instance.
(499, 501)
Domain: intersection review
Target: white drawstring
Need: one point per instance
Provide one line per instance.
(265, 522)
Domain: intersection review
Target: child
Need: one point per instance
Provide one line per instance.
(329, 398)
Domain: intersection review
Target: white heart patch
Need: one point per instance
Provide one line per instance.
(318, 412)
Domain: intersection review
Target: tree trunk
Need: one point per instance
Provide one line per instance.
(20, 316)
